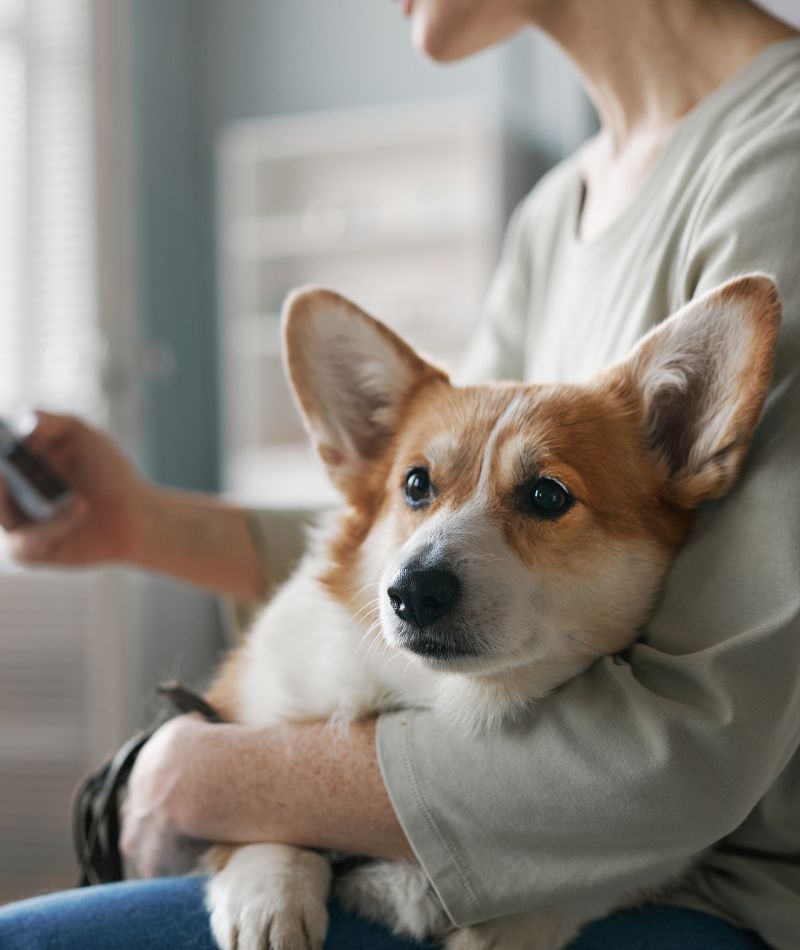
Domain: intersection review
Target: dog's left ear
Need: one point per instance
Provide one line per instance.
(351, 377)
(701, 377)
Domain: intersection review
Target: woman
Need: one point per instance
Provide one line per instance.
(692, 179)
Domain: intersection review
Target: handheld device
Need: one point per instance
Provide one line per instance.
(34, 487)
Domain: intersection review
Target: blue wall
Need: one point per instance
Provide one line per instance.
(180, 412)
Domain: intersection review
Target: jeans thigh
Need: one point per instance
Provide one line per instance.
(170, 914)
(662, 927)
(158, 914)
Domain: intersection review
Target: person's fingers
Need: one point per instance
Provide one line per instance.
(51, 541)
(49, 429)
(58, 440)
(10, 515)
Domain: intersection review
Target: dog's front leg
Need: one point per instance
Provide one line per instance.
(395, 893)
(268, 897)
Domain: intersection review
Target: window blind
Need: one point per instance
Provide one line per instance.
(52, 669)
(49, 344)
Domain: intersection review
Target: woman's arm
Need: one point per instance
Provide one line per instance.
(118, 517)
(305, 784)
(198, 539)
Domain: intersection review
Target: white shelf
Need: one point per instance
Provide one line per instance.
(262, 239)
(400, 208)
(339, 131)
(354, 228)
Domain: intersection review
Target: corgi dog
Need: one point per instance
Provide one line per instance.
(499, 539)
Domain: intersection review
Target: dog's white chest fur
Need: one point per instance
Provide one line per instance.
(307, 658)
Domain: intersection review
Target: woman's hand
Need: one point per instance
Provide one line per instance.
(153, 839)
(292, 783)
(116, 516)
(103, 522)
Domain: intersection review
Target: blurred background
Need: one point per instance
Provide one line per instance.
(169, 169)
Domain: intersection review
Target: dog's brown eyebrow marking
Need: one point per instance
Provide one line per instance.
(451, 436)
(439, 451)
(520, 457)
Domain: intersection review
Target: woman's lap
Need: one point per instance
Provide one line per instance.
(160, 914)
(169, 914)
(661, 927)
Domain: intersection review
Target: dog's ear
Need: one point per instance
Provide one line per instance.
(351, 377)
(702, 376)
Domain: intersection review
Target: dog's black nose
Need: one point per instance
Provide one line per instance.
(423, 596)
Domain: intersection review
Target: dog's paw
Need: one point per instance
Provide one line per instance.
(270, 897)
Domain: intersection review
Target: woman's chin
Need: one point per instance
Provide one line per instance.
(437, 44)
(446, 33)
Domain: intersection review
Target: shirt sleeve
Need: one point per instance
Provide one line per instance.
(497, 348)
(280, 536)
(649, 760)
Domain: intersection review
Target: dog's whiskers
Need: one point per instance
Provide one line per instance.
(361, 590)
(373, 643)
(370, 630)
(367, 609)
(381, 649)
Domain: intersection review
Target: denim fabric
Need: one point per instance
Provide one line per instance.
(169, 914)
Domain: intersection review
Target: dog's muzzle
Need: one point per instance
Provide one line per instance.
(421, 597)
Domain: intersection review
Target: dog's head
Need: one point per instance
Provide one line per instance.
(503, 525)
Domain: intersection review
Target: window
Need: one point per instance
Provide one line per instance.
(57, 650)
(49, 343)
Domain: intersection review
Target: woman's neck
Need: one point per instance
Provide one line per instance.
(645, 63)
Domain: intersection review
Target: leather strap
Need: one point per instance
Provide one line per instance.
(96, 802)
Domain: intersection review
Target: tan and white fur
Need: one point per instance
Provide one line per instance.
(538, 595)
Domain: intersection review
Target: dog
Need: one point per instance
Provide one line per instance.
(500, 539)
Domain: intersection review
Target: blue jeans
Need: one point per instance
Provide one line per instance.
(168, 914)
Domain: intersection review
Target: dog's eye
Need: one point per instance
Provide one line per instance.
(547, 498)
(417, 487)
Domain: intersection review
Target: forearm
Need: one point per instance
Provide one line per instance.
(309, 784)
(200, 540)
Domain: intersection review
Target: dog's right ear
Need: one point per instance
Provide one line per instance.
(351, 377)
(702, 377)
